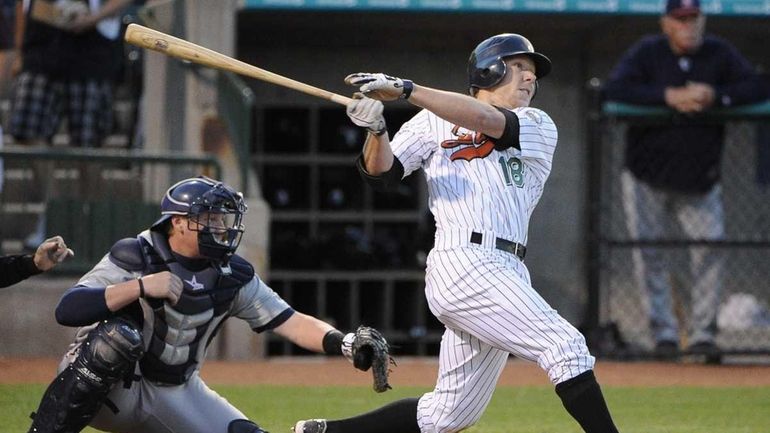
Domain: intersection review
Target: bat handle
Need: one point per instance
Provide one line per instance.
(344, 100)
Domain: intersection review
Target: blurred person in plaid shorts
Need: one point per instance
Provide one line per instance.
(66, 70)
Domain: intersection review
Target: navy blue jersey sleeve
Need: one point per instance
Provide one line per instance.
(632, 80)
(276, 321)
(740, 83)
(81, 306)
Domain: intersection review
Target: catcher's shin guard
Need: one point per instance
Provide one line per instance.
(76, 395)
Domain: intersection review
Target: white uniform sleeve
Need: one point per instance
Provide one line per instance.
(260, 306)
(537, 134)
(413, 143)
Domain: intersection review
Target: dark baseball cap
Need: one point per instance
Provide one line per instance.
(682, 8)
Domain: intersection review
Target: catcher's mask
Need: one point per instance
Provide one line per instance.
(486, 66)
(212, 208)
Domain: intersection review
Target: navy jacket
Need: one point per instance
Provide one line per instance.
(684, 155)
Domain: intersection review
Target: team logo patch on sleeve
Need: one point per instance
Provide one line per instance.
(534, 116)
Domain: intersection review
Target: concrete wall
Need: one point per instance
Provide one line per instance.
(27, 324)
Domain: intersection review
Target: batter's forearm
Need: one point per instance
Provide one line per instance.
(462, 110)
(378, 156)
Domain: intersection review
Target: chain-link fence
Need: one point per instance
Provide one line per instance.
(678, 261)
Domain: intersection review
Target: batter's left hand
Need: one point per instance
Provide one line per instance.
(380, 86)
(367, 113)
(51, 252)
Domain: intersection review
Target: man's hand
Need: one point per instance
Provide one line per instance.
(367, 113)
(163, 285)
(380, 86)
(692, 98)
(83, 23)
(702, 93)
(51, 252)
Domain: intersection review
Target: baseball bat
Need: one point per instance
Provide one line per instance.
(171, 46)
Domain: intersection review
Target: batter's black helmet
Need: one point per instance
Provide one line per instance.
(214, 209)
(486, 66)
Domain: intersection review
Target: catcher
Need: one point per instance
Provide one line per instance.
(148, 311)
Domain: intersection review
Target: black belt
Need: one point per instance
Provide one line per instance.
(514, 248)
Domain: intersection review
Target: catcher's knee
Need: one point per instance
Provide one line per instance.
(111, 349)
(244, 426)
(78, 392)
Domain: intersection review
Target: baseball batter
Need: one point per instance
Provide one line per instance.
(148, 311)
(486, 158)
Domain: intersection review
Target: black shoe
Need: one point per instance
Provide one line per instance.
(666, 350)
(708, 350)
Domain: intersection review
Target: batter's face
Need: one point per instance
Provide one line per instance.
(518, 86)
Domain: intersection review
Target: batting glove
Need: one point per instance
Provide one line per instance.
(367, 113)
(380, 86)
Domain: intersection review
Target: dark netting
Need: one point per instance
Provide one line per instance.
(683, 250)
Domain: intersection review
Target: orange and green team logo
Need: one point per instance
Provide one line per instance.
(476, 145)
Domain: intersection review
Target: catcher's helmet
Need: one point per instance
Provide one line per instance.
(486, 66)
(214, 210)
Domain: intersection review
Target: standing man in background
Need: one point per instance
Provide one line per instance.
(68, 70)
(673, 170)
(486, 159)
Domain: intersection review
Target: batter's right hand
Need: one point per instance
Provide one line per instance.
(380, 86)
(163, 285)
(367, 113)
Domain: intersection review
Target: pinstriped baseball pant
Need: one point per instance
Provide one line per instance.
(485, 299)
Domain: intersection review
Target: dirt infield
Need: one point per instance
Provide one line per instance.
(422, 372)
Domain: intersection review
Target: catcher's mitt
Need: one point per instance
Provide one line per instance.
(369, 349)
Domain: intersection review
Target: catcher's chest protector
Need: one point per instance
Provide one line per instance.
(180, 333)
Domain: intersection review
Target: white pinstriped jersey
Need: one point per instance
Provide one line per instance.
(483, 295)
(473, 186)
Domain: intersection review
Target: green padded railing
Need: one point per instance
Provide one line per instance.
(623, 110)
(91, 218)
